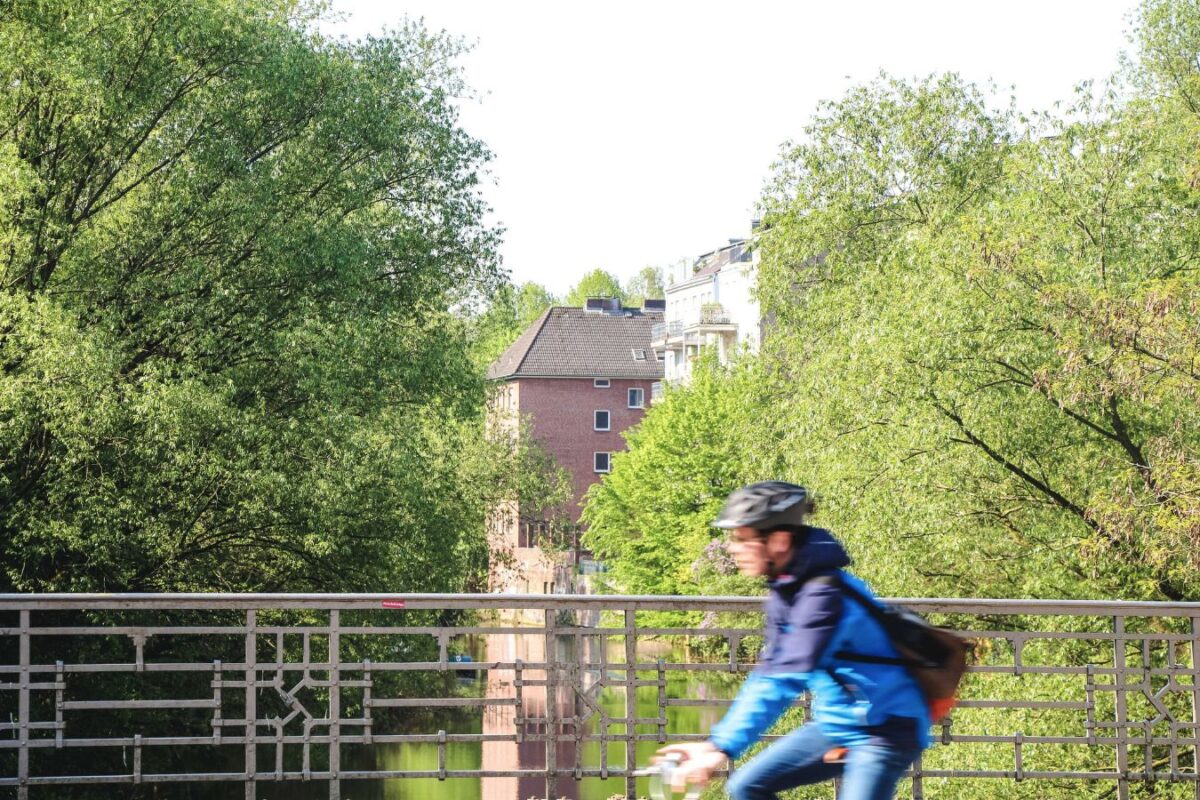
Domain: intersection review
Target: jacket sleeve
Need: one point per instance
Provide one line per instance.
(798, 647)
(761, 701)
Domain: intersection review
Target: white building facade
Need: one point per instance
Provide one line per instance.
(711, 304)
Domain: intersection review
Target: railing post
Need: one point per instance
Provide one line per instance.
(1121, 709)
(551, 659)
(335, 705)
(1196, 705)
(630, 702)
(251, 703)
(662, 702)
(23, 710)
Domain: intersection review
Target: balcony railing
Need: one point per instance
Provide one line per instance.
(661, 331)
(259, 690)
(713, 315)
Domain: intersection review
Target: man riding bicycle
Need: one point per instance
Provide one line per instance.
(869, 720)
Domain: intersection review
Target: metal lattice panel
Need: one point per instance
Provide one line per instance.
(270, 688)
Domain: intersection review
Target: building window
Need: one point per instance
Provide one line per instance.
(601, 383)
(637, 398)
(601, 462)
(639, 354)
(600, 420)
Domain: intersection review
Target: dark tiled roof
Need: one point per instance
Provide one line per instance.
(572, 343)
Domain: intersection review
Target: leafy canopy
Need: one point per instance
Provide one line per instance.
(648, 520)
(597, 283)
(507, 314)
(982, 347)
(229, 254)
(647, 284)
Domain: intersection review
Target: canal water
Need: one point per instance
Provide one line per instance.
(508, 755)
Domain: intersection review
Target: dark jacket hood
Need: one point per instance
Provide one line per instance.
(819, 552)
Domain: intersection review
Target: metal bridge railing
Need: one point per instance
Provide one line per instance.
(266, 689)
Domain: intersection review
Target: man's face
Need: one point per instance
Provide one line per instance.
(759, 556)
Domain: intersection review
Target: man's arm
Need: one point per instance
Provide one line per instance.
(762, 700)
(765, 695)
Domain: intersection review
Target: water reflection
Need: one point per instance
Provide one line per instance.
(531, 715)
(524, 710)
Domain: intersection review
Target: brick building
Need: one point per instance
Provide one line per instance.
(580, 376)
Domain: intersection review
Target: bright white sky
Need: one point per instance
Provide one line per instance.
(634, 133)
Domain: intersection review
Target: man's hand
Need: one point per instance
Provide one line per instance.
(699, 760)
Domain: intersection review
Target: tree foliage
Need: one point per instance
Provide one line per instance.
(229, 251)
(647, 284)
(983, 339)
(986, 360)
(508, 313)
(649, 518)
(981, 353)
(597, 283)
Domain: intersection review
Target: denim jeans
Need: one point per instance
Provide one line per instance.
(870, 771)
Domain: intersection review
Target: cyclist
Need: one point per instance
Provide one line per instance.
(869, 720)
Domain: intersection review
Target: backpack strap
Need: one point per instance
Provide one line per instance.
(876, 613)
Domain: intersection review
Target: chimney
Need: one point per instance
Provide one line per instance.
(599, 305)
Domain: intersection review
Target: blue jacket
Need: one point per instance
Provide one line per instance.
(812, 631)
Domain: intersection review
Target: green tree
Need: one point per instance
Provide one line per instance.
(982, 351)
(965, 355)
(229, 253)
(508, 313)
(597, 283)
(647, 284)
(648, 519)
(532, 299)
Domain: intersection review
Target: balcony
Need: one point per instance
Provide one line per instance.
(713, 314)
(662, 334)
(691, 327)
(710, 324)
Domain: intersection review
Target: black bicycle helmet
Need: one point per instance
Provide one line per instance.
(765, 506)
